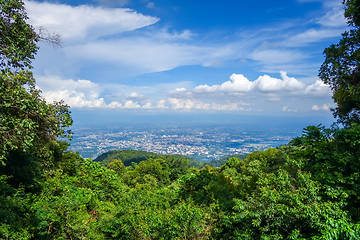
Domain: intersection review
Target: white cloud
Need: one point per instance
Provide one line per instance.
(265, 87)
(325, 107)
(80, 22)
(177, 103)
(228, 96)
(77, 94)
(226, 107)
(332, 24)
(312, 35)
(333, 18)
(80, 93)
(136, 96)
(55, 82)
(131, 105)
(315, 108)
(73, 99)
(147, 105)
(318, 88)
(161, 104)
(114, 104)
(265, 83)
(180, 90)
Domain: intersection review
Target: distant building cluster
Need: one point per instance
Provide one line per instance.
(197, 142)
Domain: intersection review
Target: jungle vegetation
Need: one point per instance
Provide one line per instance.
(307, 189)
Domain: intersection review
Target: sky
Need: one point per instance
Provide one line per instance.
(187, 57)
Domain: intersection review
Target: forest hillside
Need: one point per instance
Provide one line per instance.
(307, 189)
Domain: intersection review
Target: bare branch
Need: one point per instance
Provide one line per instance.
(53, 39)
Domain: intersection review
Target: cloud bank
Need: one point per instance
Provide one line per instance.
(238, 83)
(237, 94)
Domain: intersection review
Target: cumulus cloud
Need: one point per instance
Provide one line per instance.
(147, 105)
(131, 105)
(75, 93)
(55, 82)
(80, 22)
(238, 85)
(325, 107)
(228, 96)
(73, 99)
(115, 104)
(315, 108)
(265, 83)
(161, 104)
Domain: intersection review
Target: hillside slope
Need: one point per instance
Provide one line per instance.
(128, 156)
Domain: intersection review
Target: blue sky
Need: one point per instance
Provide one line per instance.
(144, 56)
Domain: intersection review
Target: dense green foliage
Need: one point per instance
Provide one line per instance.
(29, 127)
(308, 189)
(128, 157)
(305, 190)
(341, 68)
(222, 161)
(17, 38)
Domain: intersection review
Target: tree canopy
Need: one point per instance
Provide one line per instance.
(26, 119)
(29, 126)
(17, 38)
(308, 189)
(341, 68)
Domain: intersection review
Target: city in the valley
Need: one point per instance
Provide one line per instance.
(201, 142)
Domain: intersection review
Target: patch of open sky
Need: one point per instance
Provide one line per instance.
(106, 119)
